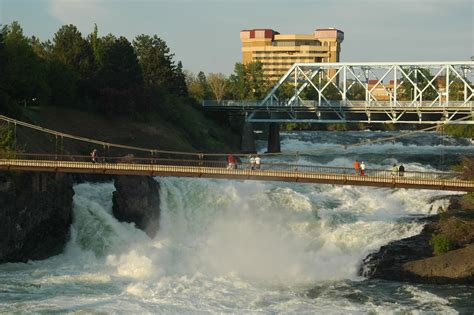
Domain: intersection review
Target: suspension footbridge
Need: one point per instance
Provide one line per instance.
(219, 169)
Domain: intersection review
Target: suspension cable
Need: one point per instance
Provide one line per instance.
(155, 151)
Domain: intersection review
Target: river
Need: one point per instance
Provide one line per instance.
(248, 246)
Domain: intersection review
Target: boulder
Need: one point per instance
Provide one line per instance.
(455, 266)
(35, 215)
(388, 261)
(137, 199)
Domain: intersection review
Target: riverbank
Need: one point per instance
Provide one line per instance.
(442, 253)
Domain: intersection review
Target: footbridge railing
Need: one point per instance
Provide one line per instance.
(219, 169)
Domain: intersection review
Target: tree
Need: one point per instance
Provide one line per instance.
(198, 87)
(257, 84)
(24, 73)
(218, 85)
(239, 86)
(248, 82)
(178, 80)
(74, 52)
(421, 79)
(120, 68)
(71, 49)
(121, 78)
(456, 90)
(156, 62)
(96, 45)
(356, 92)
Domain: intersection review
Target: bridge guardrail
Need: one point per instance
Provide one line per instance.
(291, 168)
(337, 104)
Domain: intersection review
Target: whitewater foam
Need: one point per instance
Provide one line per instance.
(234, 246)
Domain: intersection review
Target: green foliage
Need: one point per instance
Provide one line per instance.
(248, 82)
(441, 244)
(389, 127)
(106, 74)
(337, 127)
(421, 78)
(456, 90)
(467, 201)
(160, 72)
(285, 91)
(198, 87)
(356, 92)
(96, 45)
(465, 131)
(71, 49)
(330, 91)
(7, 141)
(120, 68)
(122, 79)
(23, 72)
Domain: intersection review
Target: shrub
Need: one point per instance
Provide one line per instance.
(441, 244)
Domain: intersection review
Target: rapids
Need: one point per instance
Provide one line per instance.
(247, 246)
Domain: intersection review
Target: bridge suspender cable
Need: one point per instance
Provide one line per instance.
(156, 151)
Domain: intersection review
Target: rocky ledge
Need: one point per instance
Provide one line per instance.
(411, 259)
(35, 216)
(137, 200)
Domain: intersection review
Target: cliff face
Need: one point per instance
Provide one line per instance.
(137, 200)
(35, 215)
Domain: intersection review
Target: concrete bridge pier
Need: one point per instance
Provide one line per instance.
(247, 144)
(274, 138)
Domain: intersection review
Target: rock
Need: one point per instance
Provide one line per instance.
(388, 261)
(137, 200)
(456, 266)
(411, 259)
(35, 215)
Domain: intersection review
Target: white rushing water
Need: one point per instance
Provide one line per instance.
(232, 246)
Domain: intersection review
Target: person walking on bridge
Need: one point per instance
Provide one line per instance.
(231, 163)
(394, 170)
(94, 155)
(401, 170)
(362, 169)
(252, 162)
(357, 167)
(258, 162)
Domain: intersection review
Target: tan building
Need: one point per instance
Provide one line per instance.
(278, 52)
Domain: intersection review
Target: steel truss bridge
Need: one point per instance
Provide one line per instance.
(199, 167)
(386, 92)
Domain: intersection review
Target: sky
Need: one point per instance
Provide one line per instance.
(204, 34)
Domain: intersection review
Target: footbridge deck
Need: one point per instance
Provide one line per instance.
(217, 169)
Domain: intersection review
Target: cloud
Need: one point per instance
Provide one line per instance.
(82, 13)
